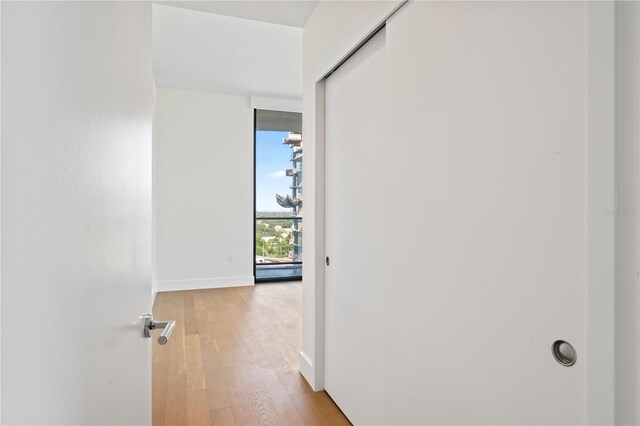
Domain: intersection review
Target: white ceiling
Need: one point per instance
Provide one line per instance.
(291, 13)
(206, 51)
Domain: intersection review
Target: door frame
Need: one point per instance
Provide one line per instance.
(600, 230)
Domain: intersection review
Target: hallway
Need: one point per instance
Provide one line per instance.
(233, 359)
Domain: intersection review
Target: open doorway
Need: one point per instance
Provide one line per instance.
(278, 187)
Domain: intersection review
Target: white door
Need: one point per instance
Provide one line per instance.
(355, 234)
(478, 243)
(76, 169)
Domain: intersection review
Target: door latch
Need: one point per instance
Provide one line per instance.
(166, 326)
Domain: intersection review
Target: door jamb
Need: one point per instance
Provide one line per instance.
(367, 24)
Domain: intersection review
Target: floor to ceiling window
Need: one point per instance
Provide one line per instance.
(278, 206)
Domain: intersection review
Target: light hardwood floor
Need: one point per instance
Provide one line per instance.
(233, 359)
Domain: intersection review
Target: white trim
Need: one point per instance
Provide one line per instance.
(204, 283)
(374, 16)
(275, 104)
(306, 369)
(0, 245)
(600, 227)
(319, 188)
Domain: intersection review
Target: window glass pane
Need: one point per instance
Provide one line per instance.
(278, 186)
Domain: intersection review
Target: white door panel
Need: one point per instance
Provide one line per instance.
(482, 187)
(355, 241)
(492, 99)
(76, 180)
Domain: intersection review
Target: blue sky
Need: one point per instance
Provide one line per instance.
(272, 159)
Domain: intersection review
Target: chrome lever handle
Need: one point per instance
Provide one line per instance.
(166, 326)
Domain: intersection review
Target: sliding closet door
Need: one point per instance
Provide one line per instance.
(356, 143)
(456, 216)
(489, 100)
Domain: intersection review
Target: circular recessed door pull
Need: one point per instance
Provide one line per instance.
(564, 353)
(327, 260)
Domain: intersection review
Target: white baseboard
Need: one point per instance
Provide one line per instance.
(204, 283)
(308, 372)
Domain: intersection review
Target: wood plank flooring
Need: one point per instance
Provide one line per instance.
(233, 360)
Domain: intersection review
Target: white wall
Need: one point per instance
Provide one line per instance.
(327, 23)
(203, 146)
(223, 54)
(290, 13)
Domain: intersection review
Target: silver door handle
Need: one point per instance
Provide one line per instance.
(166, 326)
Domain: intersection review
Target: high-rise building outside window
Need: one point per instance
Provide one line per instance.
(278, 211)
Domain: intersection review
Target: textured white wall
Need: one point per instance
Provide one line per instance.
(204, 189)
